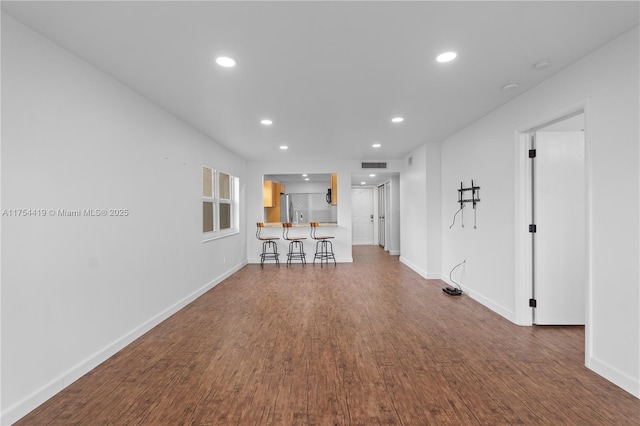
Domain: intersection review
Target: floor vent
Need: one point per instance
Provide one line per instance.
(374, 165)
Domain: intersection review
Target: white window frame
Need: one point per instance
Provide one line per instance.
(217, 201)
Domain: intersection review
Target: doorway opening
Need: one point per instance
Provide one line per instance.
(553, 243)
(557, 223)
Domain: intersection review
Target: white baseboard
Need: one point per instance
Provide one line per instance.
(424, 274)
(31, 402)
(615, 376)
(415, 268)
(478, 297)
(500, 310)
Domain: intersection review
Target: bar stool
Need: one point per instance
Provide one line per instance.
(296, 247)
(267, 243)
(326, 247)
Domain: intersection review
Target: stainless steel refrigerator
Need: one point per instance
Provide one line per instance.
(286, 208)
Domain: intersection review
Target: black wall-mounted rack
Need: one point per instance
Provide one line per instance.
(475, 195)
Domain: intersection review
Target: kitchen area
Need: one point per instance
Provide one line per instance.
(300, 199)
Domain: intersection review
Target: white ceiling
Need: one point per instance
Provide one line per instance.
(330, 75)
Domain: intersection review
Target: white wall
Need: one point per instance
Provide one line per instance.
(75, 290)
(413, 211)
(606, 81)
(420, 216)
(434, 210)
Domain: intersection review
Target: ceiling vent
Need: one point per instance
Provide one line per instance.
(374, 165)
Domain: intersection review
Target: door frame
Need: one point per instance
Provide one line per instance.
(523, 246)
(381, 212)
(387, 213)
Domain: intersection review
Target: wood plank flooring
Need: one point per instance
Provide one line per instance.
(366, 343)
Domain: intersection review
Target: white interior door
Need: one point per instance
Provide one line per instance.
(387, 217)
(382, 229)
(560, 218)
(362, 215)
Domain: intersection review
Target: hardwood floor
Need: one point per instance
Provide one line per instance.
(358, 344)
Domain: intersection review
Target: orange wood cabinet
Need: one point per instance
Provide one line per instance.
(273, 214)
(334, 189)
(269, 194)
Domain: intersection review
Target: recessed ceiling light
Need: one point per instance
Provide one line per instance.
(306, 178)
(283, 147)
(511, 86)
(372, 175)
(266, 122)
(446, 56)
(305, 175)
(397, 119)
(363, 183)
(225, 61)
(376, 145)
